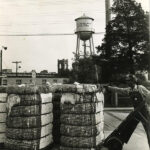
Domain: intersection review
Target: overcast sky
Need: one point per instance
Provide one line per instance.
(46, 17)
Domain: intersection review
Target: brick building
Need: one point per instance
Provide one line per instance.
(26, 78)
(17, 78)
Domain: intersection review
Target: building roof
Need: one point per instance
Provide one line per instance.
(29, 75)
(84, 17)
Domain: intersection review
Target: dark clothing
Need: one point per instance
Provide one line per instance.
(137, 95)
(146, 122)
(144, 115)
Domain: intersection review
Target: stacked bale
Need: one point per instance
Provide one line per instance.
(81, 118)
(56, 118)
(3, 114)
(29, 121)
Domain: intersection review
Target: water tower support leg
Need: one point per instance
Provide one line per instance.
(91, 53)
(77, 48)
(79, 45)
(93, 44)
(84, 49)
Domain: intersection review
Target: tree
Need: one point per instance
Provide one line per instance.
(84, 71)
(127, 37)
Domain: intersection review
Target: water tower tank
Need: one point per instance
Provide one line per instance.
(84, 27)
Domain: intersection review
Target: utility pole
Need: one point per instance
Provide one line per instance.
(1, 63)
(108, 11)
(17, 67)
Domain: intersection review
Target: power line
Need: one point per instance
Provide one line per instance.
(45, 34)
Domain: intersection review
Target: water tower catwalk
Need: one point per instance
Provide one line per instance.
(84, 33)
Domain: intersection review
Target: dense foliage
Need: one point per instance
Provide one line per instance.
(126, 42)
(85, 71)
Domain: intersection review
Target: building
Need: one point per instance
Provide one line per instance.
(63, 70)
(26, 78)
(13, 78)
(7, 70)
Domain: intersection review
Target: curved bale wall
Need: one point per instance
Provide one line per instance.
(82, 118)
(3, 115)
(70, 116)
(30, 117)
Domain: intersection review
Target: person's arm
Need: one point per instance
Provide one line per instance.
(123, 91)
(144, 91)
(146, 83)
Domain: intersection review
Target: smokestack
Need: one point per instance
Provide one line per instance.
(107, 9)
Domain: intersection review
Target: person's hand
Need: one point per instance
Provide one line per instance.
(105, 89)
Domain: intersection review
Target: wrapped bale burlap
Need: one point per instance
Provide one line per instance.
(82, 118)
(82, 131)
(29, 122)
(30, 117)
(84, 108)
(72, 88)
(30, 99)
(29, 134)
(32, 110)
(82, 142)
(29, 144)
(28, 90)
(3, 114)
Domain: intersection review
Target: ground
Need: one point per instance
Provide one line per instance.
(138, 140)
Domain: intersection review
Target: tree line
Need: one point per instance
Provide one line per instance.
(125, 47)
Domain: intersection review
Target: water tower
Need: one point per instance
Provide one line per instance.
(84, 31)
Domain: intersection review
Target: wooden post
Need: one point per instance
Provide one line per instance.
(114, 99)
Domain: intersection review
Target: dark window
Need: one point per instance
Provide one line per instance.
(65, 81)
(18, 82)
(44, 81)
(60, 66)
(54, 81)
(4, 82)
